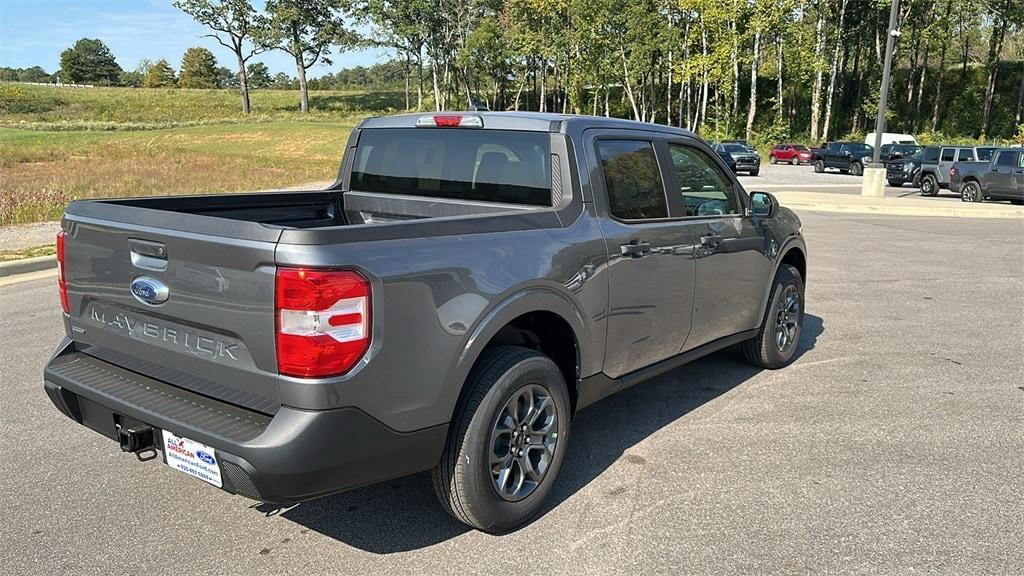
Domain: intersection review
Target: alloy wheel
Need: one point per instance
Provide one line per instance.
(523, 442)
(787, 319)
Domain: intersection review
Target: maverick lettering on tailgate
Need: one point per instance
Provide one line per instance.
(139, 328)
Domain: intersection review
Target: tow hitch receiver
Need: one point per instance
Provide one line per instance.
(134, 436)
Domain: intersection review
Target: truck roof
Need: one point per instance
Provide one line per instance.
(529, 121)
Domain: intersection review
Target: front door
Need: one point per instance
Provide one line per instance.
(1000, 177)
(732, 268)
(650, 253)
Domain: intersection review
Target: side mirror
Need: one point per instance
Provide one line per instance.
(763, 204)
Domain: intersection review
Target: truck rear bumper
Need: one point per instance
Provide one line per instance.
(291, 456)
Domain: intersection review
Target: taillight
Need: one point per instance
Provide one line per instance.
(323, 321)
(952, 171)
(61, 281)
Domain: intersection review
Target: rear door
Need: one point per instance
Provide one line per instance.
(650, 251)
(213, 331)
(732, 267)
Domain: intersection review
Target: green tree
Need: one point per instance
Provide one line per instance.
(232, 23)
(306, 30)
(89, 61)
(226, 78)
(259, 76)
(198, 69)
(160, 75)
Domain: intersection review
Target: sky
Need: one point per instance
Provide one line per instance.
(35, 32)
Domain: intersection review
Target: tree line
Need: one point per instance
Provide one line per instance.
(726, 68)
(761, 69)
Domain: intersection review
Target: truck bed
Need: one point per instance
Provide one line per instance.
(316, 208)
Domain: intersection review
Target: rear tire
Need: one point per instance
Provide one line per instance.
(929, 185)
(795, 161)
(819, 166)
(491, 420)
(971, 192)
(779, 337)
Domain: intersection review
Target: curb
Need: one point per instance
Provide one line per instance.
(878, 210)
(26, 265)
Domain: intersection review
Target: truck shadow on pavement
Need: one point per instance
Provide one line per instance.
(402, 515)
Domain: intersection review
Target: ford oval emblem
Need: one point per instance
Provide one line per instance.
(207, 458)
(149, 290)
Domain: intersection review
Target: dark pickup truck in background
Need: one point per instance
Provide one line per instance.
(1000, 178)
(847, 157)
(469, 282)
(907, 169)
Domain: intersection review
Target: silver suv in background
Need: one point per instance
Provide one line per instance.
(938, 161)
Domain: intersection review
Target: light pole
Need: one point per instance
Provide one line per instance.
(874, 176)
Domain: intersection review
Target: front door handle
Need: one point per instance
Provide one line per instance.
(711, 240)
(636, 249)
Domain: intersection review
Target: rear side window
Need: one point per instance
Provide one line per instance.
(984, 154)
(464, 164)
(965, 155)
(633, 179)
(1007, 158)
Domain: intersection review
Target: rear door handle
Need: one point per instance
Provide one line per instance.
(635, 249)
(711, 240)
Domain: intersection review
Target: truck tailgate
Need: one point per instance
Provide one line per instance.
(214, 334)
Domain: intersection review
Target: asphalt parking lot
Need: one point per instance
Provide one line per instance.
(893, 445)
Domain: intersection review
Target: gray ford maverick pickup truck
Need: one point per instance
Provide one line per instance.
(467, 284)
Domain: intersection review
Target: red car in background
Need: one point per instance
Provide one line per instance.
(792, 153)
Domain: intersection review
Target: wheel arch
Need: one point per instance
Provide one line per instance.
(540, 318)
(794, 253)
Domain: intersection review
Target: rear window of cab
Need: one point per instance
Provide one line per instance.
(505, 166)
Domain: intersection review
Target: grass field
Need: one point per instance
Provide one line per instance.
(60, 144)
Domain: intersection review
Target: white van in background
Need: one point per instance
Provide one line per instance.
(890, 138)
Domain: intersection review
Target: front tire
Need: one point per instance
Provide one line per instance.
(779, 337)
(772, 160)
(971, 192)
(819, 166)
(895, 183)
(507, 442)
(857, 169)
(755, 171)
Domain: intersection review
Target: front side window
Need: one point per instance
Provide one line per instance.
(633, 179)
(706, 191)
(948, 154)
(1007, 158)
(464, 164)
